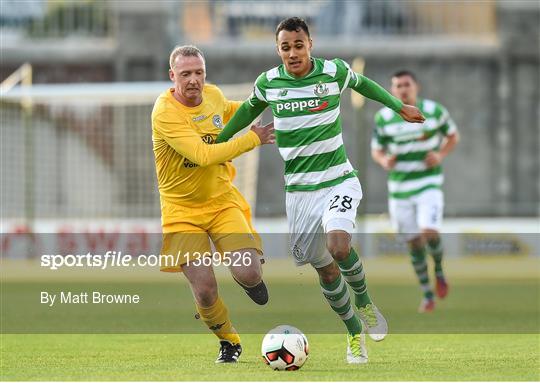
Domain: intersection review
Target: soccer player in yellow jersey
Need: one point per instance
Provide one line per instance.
(198, 200)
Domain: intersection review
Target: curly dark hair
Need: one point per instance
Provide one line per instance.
(292, 24)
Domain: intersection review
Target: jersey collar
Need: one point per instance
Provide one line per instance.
(300, 78)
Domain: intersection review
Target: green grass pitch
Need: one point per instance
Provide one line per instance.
(190, 357)
(487, 329)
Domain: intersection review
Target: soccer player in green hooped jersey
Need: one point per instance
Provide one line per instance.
(322, 189)
(412, 155)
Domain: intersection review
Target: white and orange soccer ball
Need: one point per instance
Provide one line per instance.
(285, 348)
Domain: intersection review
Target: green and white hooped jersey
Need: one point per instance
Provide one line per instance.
(410, 143)
(307, 122)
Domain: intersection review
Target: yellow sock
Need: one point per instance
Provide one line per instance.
(217, 319)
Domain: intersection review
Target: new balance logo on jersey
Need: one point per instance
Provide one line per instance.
(283, 93)
(298, 106)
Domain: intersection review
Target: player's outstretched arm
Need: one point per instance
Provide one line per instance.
(374, 91)
(242, 118)
(182, 138)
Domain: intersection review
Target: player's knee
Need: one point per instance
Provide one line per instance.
(206, 295)
(417, 243)
(339, 251)
(338, 244)
(249, 276)
(248, 271)
(430, 235)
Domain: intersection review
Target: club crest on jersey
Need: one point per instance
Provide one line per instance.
(298, 253)
(321, 89)
(216, 120)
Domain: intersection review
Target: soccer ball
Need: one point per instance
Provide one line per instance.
(285, 348)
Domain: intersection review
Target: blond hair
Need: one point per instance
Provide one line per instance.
(185, 51)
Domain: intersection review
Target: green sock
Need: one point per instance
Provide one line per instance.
(353, 272)
(436, 249)
(418, 258)
(337, 295)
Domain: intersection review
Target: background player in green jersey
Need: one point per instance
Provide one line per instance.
(412, 155)
(322, 189)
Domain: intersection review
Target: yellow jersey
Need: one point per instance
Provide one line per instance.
(191, 170)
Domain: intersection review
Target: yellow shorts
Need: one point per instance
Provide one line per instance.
(226, 221)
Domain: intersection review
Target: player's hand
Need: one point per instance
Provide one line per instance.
(265, 133)
(433, 159)
(388, 162)
(411, 114)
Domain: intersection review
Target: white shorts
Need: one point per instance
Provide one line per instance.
(423, 211)
(312, 214)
